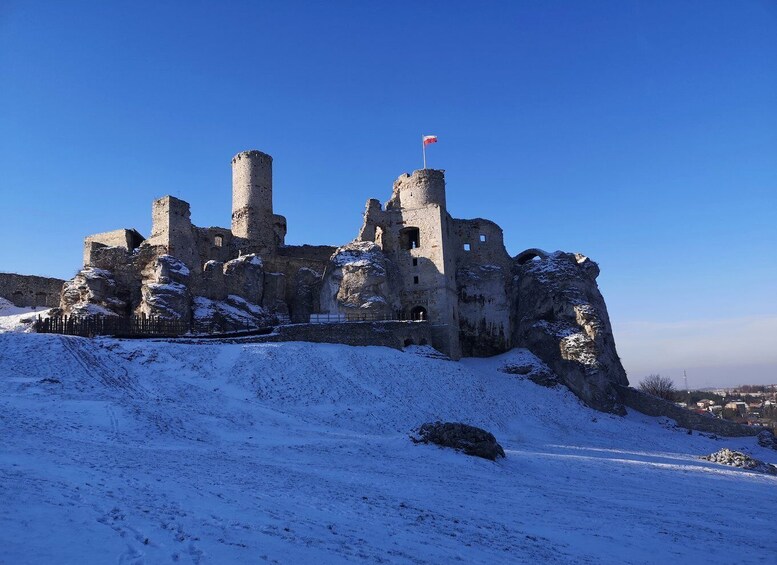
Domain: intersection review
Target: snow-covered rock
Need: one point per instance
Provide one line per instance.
(92, 292)
(561, 317)
(359, 278)
(165, 290)
(231, 314)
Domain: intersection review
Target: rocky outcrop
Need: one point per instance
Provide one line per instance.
(165, 289)
(360, 278)
(229, 315)
(244, 277)
(561, 317)
(91, 292)
(484, 309)
(736, 459)
(461, 437)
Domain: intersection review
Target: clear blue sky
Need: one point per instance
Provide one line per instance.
(643, 134)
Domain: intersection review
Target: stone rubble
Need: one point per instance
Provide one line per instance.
(737, 459)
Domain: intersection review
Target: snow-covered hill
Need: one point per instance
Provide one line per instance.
(153, 452)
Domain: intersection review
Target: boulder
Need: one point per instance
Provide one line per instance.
(767, 439)
(360, 278)
(461, 437)
(561, 317)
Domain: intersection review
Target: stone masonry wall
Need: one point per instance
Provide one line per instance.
(125, 238)
(29, 290)
(386, 334)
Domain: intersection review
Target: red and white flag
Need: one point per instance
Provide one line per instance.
(430, 139)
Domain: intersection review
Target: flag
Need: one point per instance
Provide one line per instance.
(430, 139)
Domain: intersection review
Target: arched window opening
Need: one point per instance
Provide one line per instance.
(218, 241)
(409, 238)
(418, 314)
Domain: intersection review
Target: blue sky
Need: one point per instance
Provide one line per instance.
(643, 134)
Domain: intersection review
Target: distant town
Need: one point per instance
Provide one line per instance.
(755, 405)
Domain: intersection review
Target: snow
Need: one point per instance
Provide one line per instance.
(359, 254)
(95, 273)
(18, 319)
(144, 451)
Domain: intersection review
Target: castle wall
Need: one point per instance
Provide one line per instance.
(295, 279)
(127, 239)
(171, 228)
(214, 244)
(30, 290)
(483, 279)
(386, 334)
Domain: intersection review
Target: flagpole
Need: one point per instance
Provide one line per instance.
(423, 148)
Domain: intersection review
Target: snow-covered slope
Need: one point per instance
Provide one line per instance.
(153, 452)
(17, 319)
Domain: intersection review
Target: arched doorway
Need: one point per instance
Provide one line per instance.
(418, 313)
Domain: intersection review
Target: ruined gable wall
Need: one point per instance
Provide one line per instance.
(214, 244)
(127, 239)
(483, 279)
(30, 290)
(171, 228)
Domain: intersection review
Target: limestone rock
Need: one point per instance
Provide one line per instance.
(165, 292)
(522, 362)
(736, 459)
(561, 317)
(244, 277)
(462, 437)
(214, 285)
(91, 292)
(484, 309)
(360, 278)
(229, 315)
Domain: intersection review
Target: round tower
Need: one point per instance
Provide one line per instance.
(252, 216)
(422, 188)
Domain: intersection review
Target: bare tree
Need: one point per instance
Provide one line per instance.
(659, 386)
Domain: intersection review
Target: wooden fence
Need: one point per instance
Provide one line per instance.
(137, 326)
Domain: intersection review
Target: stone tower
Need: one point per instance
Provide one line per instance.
(252, 212)
(425, 256)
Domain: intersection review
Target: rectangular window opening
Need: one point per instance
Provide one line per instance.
(415, 261)
(483, 238)
(415, 280)
(467, 247)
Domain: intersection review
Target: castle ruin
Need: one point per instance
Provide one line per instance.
(410, 260)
